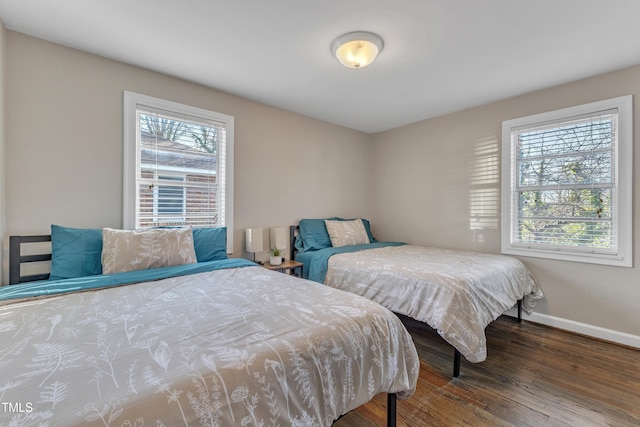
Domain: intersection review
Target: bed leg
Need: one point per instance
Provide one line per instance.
(391, 410)
(456, 363)
(520, 310)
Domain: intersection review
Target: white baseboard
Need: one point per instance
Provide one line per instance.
(581, 328)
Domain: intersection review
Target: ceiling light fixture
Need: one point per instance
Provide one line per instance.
(357, 49)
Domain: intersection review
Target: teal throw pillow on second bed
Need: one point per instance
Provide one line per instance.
(314, 234)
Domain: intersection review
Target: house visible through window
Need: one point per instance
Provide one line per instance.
(178, 165)
(567, 184)
(169, 200)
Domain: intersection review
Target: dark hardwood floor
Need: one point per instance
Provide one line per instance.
(534, 375)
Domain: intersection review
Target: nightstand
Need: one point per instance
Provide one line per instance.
(287, 266)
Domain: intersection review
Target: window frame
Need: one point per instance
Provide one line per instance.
(622, 163)
(131, 102)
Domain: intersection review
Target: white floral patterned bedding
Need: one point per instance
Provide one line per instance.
(457, 293)
(232, 347)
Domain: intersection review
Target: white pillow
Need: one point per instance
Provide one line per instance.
(346, 233)
(130, 250)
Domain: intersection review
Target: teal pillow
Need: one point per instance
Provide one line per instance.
(75, 252)
(314, 234)
(210, 244)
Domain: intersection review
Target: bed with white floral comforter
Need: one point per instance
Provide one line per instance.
(458, 293)
(230, 347)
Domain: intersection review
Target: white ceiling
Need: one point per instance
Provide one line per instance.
(439, 56)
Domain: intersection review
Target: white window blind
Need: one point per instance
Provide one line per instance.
(181, 170)
(568, 185)
(178, 163)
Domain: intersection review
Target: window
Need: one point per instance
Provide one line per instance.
(178, 165)
(566, 187)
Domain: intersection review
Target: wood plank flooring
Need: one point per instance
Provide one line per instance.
(534, 375)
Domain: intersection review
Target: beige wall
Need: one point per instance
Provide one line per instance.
(64, 146)
(424, 175)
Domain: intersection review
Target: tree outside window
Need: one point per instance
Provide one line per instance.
(566, 187)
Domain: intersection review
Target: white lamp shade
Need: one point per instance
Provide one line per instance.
(278, 237)
(253, 240)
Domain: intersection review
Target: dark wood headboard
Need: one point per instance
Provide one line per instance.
(16, 259)
(293, 232)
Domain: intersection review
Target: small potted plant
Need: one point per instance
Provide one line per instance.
(276, 256)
